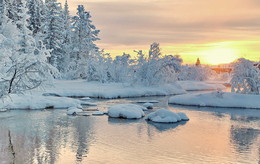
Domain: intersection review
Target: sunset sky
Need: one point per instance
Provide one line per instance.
(216, 31)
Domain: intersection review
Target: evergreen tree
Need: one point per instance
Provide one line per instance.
(67, 43)
(54, 32)
(84, 51)
(198, 62)
(36, 18)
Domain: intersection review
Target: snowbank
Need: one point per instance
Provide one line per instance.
(200, 85)
(148, 105)
(98, 113)
(3, 110)
(166, 116)
(81, 88)
(218, 99)
(73, 111)
(130, 111)
(35, 101)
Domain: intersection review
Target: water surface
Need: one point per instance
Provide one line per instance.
(213, 135)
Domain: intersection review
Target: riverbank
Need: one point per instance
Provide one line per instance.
(218, 99)
(59, 94)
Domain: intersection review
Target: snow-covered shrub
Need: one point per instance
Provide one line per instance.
(121, 67)
(245, 77)
(155, 68)
(197, 73)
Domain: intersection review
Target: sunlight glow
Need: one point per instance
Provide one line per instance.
(220, 56)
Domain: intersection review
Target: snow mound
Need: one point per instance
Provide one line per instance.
(88, 103)
(83, 114)
(218, 99)
(165, 116)
(3, 110)
(85, 98)
(74, 111)
(98, 113)
(183, 116)
(148, 105)
(130, 111)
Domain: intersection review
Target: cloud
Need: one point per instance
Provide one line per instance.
(170, 22)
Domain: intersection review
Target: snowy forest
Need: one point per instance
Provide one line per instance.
(64, 99)
(40, 41)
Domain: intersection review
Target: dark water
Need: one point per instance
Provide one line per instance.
(50, 136)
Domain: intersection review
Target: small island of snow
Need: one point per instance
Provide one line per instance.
(127, 111)
(148, 105)
(166, 116)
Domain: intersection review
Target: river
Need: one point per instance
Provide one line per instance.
(213, 135)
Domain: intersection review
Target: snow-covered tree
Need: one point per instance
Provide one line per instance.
(104, 68)
(22, 65)
(37, 17)
(121, 68)
(156, 68)
(245, 77)
(84, 48)
(54, 32)
(197, 73)
(67, 41)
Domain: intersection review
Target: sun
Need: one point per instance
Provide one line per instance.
(219, 56)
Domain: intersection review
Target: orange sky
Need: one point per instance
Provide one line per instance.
(217, 31)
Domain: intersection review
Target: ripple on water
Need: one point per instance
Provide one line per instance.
(212, 135)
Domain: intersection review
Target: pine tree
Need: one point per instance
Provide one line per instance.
(54, 32)
(67, 43)
(35, 20)
(198, 62)
(84, 51)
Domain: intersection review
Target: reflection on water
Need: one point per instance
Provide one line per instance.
(213, 135)
(161, 127)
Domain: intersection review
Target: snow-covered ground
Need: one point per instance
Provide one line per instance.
(201, 85)
(81, 88)
(37, 101)
(47, 98)
(218, 99)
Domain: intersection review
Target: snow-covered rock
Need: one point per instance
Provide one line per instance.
(165, 116)
(130, 111)
(98, 113)
(148, 105)
(85, 98)
(183, 116)
(3, 110)
(74, 111)
(218, 99)
(83, 114)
